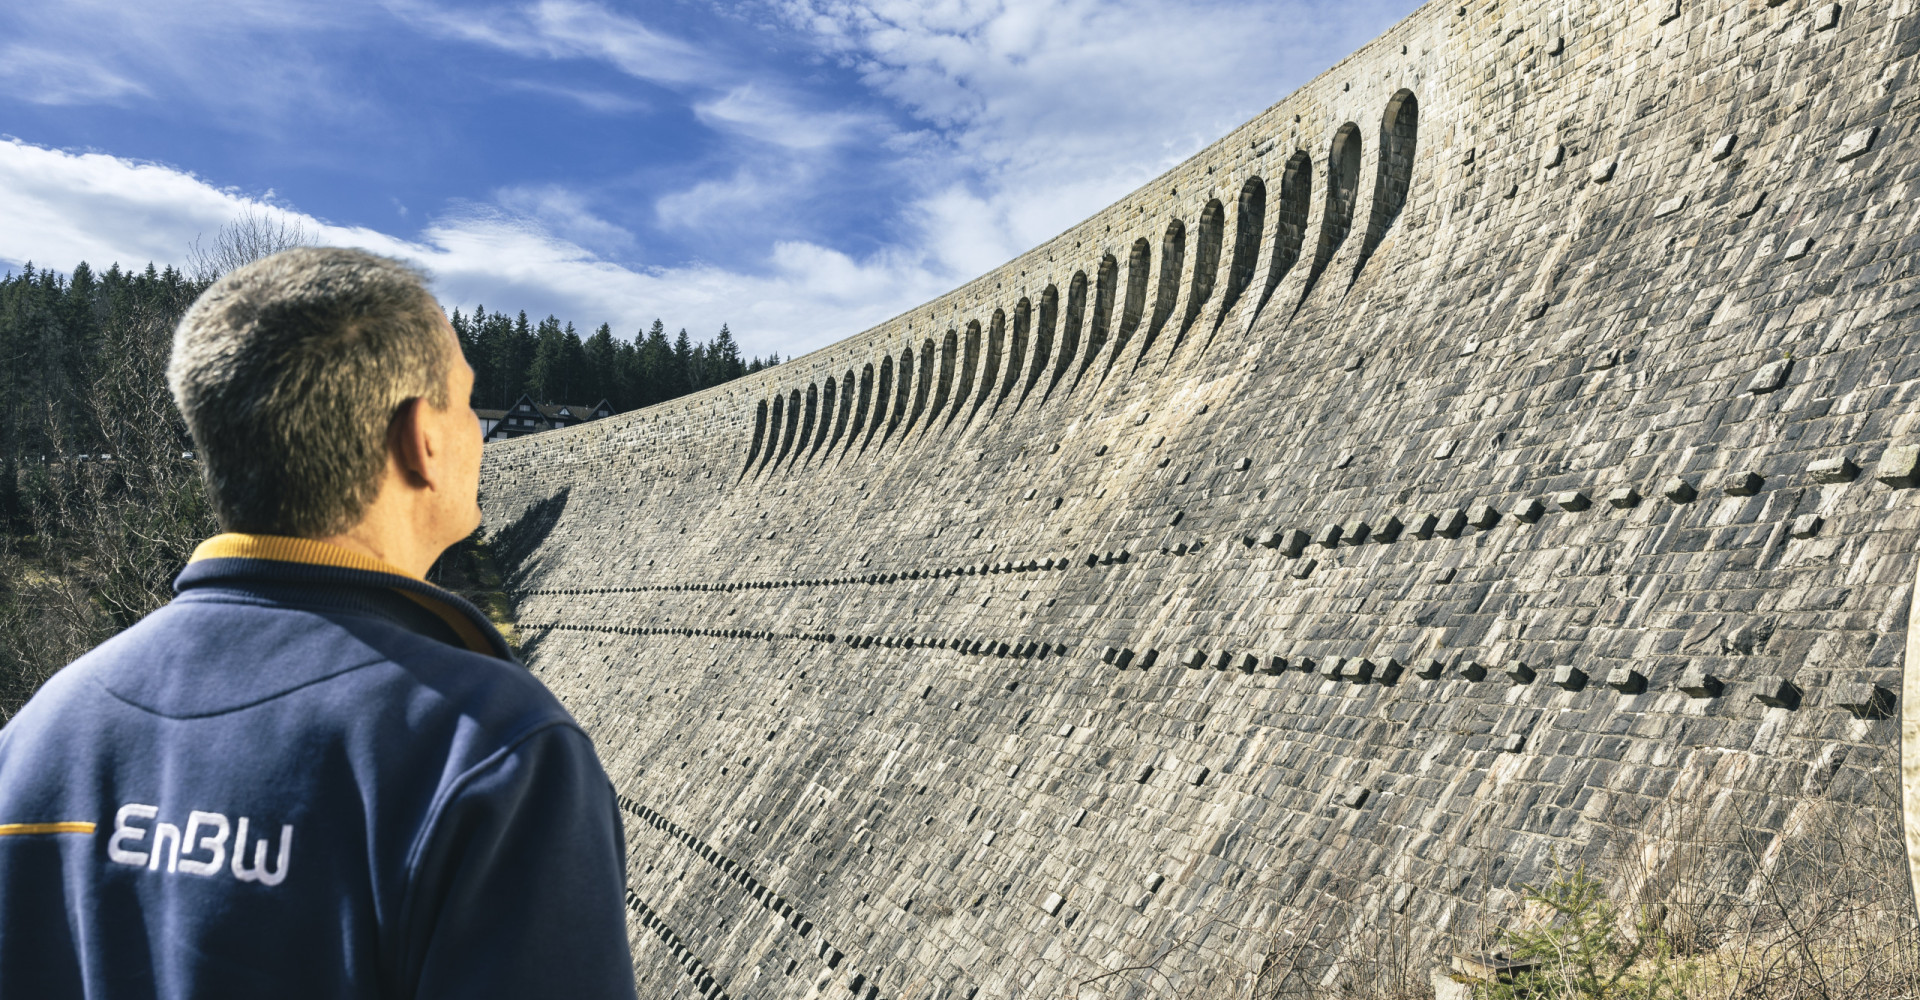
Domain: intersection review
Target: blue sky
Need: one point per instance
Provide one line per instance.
(799, 169)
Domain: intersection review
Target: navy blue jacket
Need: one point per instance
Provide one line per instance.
(310, 775)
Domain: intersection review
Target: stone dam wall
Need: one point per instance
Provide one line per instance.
(1499, 451)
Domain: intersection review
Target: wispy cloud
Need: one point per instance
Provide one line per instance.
(568, 29)
(758, 112)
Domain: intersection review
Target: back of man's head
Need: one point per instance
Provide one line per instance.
(289, 371)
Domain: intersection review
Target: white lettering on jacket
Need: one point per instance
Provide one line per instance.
(200, 849)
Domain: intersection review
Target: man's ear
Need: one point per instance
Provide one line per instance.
(408, 445)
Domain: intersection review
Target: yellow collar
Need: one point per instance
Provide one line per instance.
(281, 548)
(307, 551)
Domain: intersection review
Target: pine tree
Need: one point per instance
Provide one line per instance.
(600, 376)
(655, 367)
(680, 380)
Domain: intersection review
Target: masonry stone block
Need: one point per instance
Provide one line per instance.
(1678, 490)
(1834, 469)
(1742, 483)
(1899, 467)
(1775, 691)
(1770, 377)
(1864, 700)
(1626, 680)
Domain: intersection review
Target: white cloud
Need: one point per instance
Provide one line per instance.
(63, 208)
(755, 111)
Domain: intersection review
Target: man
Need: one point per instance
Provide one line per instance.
(313, 774)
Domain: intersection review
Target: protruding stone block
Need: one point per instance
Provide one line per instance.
(1770, 377)
(1856, 144)
(1626, 680)
(1742, 484)
(1473, 670)
(1513, 742)
(1723, 146)
(1358, 669)
(1052, 903)
(1807, 525)
(1221, 660)
(1697, 683)
(1197, 774)
(1429, 669)
(1355, 797)
(1304, 568)
(1899, 467)
(1355, 532)
(1865, 700)
(1388, 530)
(1149, 658)
(1775, 691)
(1826, 17)
(1269, 539)
(1243, 465)
(1529, 510)
(1450, 523)
(1109, 654)
(1600, 173)
(1329, 536)
(1572, 501)
(1142, 773)
(1838, 469)
(1275, 665)
(1249, 663)
(1423, 525)
(1193, 659)
(1799, 248)
(1678, 490)
(1293, 542)
(1569, 677)
(1332, 667)
(1519, 672)
(1388, 671)
(1484, 517)
(1305, 664)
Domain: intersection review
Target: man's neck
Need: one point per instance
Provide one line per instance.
(391, 538)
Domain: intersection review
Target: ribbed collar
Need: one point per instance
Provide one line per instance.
(276, 558)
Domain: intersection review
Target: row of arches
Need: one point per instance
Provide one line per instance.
(930, 386)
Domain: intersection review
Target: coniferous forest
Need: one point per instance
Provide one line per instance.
(101, 501)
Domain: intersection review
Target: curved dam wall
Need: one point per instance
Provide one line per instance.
(1499, 453)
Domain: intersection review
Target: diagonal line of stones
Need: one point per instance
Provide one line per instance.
(697, 970)
(791, 915)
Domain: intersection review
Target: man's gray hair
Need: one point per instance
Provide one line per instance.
(289, 371)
